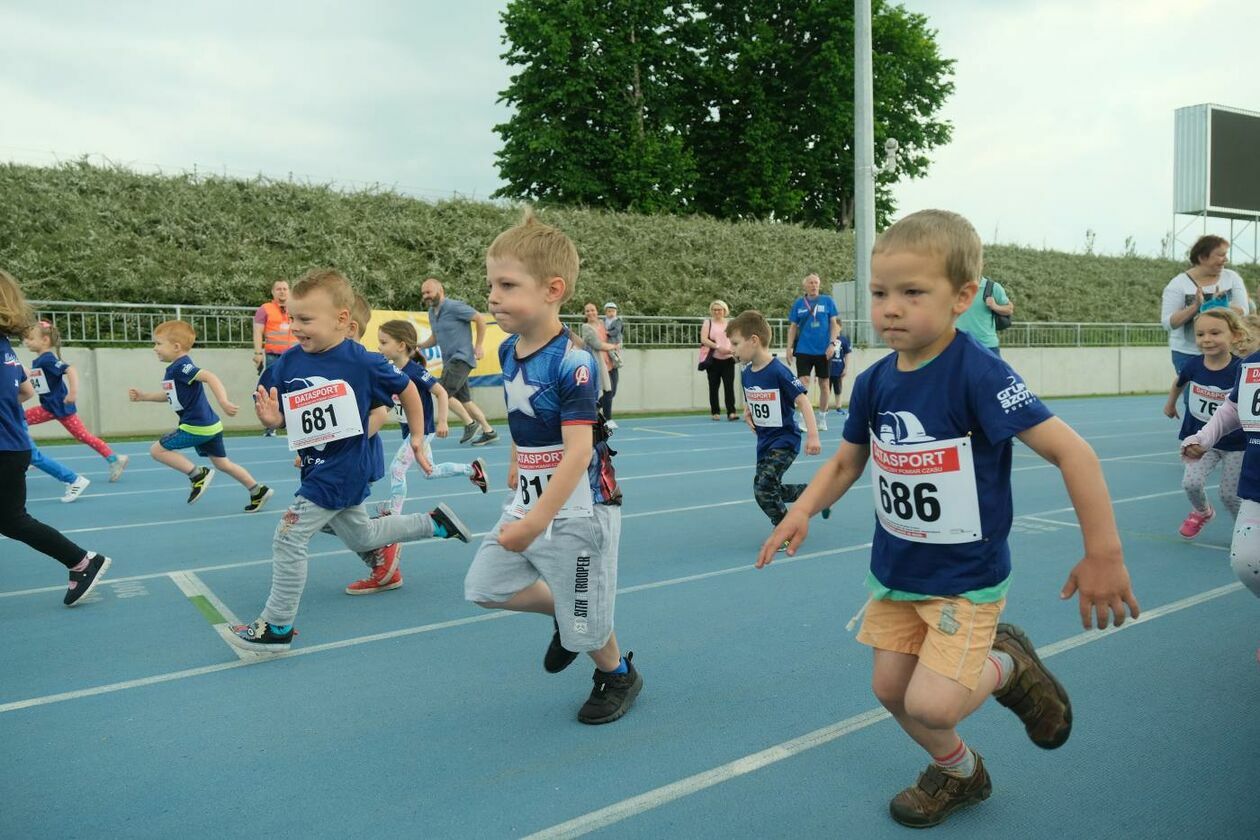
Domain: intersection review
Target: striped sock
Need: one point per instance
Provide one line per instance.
(960, 763)
(1005, 668)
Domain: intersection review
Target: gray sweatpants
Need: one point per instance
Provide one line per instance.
(360, 533)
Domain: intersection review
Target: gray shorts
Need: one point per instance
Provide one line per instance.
(455, 379)
(579, 564)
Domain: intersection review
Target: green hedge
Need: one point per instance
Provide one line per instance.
(80, 232)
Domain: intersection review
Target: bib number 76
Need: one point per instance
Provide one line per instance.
(318, 418)
(898, 500)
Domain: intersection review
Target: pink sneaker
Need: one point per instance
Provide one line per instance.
(1194, 523)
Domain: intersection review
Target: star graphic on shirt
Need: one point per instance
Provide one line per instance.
(519, 394)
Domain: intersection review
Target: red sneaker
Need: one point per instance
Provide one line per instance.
(478, 476)
(384, 577)
(1194, 523)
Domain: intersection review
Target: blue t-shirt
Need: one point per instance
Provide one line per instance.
(424, 380)
(553, 387)
(13, 435)
(1249, 481)
(1205, 390)
(843, 349)
(54, 371)
(188, 397)
(335, 475)
(964, 393)
(812, 317)
(770, 394)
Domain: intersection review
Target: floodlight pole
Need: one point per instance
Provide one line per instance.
(864, 169)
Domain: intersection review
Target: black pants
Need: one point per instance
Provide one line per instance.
(19, 525)
(722, 370)
(605, 402)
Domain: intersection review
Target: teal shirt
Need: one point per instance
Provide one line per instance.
(988, 595)
(977, 321)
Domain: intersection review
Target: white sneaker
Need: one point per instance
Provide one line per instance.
(75, 489)
(821, 417)
(117, 466)
(611, 425)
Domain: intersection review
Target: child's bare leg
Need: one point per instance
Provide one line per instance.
(607, 658)
(235, 470)
(535, 598)
(928, 706)
(171, 458)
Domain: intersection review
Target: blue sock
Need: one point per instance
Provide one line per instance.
(111, 459)
(439, 530)
(281, 629)
(621, 668)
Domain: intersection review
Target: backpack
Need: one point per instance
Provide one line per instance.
(1000, 322)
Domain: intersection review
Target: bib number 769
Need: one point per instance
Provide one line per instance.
(760, 411)
(318, 418)
(898, 500)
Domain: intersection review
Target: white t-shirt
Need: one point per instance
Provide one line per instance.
(1180, 292)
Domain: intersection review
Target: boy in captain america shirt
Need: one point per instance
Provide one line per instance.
(936, 418)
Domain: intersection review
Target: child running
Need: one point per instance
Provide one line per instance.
(75, 483)
(85, 567)
(1210, 377)
(771, 391)
(184, 389)
(936, 418)
(56, 384)
(841, 348)
(323, 391)
(554, 550)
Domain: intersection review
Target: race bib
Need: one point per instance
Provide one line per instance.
(765, 406)
(1204, 400)
(926, 492)
(1249, 397)
(321, 414)
(39, 382)
(535, 465)
(172, 396)
(399, 414)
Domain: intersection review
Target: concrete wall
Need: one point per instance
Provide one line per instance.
(651, 380)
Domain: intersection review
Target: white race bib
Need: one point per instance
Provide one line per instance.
(172, 396)
(39, 382)
(1204, 400)
(765, 407)
(321, 414)
(535, 465)
(1249, 397)
(926, 492)
(398, 410)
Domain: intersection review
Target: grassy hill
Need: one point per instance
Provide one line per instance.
(79, 232)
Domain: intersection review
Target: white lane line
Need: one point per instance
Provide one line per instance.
(194, 587)
(1052, 521)
(618, 811)
(657, 431)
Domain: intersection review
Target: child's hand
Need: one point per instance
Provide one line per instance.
(71, 398)
(813, 445)
(1103, 586)
(748, 419)
(1170, 411)
(297, 461)
(229, 408)
(518, 535)
(1194, 452)
(267, 407)
(512, 476)
(792, 530)
(442, 429)
(133, 395)
(422, 458)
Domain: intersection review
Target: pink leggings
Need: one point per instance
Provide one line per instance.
(73, 425)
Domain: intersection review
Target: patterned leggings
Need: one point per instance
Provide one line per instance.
(38, 414)
(1196, 476)
(1244, 552)
(403, 461)
(768, 487)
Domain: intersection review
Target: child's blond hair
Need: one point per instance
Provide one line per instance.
(1250, 341)
(15, 314)
(179, 332)
(334, 284)
(361, 314)
(545, 252)
(939, 233)
(750, 324)
(46, 329)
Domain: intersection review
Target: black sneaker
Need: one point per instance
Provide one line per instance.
(558, 656)
(258, 498)
(469, 431)
(612, 695)
(81, 583)
(200, 481)
(478, 476)
(455, 527)
(486, 437)
(260, 637)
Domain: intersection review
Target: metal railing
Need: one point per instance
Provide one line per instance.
(90, 323)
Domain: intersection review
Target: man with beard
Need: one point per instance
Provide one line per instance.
(448, 325)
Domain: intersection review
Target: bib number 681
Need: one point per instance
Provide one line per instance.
(897, 500)
(318, 418)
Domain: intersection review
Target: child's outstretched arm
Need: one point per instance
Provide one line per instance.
(440, 425)
(136, 395)
(827, 486)
(376, 419)
(1100, 577)
(220, 393)
(72, 385)
(813, 445)
(25, 391)
(413, 410)
(1224, 420)
(1174, 395)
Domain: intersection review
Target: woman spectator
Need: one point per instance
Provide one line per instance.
(595, 337)
(721, 360)
(615, 330)
(1207, 283)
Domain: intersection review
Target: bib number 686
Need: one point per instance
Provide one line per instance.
(897, 500)
(318, 418)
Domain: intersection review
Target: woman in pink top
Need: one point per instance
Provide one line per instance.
(713, 337)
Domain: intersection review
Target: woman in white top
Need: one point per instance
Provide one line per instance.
(1205, 284)
(722, 368)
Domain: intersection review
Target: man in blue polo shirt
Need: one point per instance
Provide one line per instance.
(449, 320)
(813, 326)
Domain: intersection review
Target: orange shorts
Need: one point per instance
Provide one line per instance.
(951, 636)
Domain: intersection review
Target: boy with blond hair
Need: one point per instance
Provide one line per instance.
(554, 550)
(184, 388)
(935, 418)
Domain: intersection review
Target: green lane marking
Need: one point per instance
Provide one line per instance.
(207, 609)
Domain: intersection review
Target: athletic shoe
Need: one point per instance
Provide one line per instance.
(200, 481)
(821, 418)
(117, 466)
(937, 795)
(558, 656)
(486, 437)
(258, 498)
(455, 527)
(75, 489)
(612, 695)
(269, 433)
(1032, 692)
(378, 581)
(260, 637)
(610, 425)
(1194, 523)
(826, 513)
(469, 431)
(82, 583)
(478, 475)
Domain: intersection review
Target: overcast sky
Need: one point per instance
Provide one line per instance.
(1063, 110)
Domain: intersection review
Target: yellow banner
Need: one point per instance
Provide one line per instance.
(488, 372)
